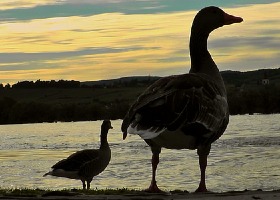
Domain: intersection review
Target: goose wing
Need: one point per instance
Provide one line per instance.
(76, 160)
(191, 103)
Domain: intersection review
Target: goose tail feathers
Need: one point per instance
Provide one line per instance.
(148, 133)
(48, 173)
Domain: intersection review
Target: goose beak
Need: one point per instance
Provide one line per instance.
(230, 19)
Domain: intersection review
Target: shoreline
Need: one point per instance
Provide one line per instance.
(76, 195)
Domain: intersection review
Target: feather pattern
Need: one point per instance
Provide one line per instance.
(190, 103)
(76, 160)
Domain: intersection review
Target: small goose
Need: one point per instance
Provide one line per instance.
(188, 111)
(85, 164)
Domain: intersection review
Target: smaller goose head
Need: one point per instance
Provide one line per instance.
(106, 125)
(211, 18)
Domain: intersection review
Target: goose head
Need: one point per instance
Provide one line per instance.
(106, 125)
(211, 18)
(205, 21)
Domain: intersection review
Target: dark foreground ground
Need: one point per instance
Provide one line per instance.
(242, 195)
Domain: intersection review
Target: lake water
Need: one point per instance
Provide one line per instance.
(247, 156)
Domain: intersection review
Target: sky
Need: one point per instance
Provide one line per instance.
(89, 40)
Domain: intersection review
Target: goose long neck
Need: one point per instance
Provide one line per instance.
(198, 45)
(103, 139)
(201, 60)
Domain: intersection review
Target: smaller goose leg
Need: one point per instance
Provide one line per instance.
(84, 184)
(203, 153)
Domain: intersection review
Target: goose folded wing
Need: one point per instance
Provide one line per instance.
(76, 160)
(191, 102)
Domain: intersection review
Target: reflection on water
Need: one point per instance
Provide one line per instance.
(246, 157)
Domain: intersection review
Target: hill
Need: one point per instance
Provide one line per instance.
(237, 78)
(124, 81)
(231, 78)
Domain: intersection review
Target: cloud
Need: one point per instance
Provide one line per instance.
(259, 42)
(22, 10)
(30, 57)
(18, 10)
(15, 4)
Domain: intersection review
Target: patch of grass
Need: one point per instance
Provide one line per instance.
(26, 192)
(179, 192)
(107, 191)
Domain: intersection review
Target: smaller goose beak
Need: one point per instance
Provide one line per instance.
(230, 19)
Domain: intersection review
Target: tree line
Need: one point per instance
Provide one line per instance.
(248, 100)
(43, 84)
(121, 82)
(261, 99)
(16, 112)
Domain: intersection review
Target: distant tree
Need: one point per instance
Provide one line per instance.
(47, 84)
(7, 86)
(24, 84)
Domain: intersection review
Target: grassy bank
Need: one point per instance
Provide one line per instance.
(24, 192)
(116, 194)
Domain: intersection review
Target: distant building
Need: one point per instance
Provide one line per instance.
(265, 81)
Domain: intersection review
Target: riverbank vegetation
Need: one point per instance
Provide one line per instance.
(52, 101)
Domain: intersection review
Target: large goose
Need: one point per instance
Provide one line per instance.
(85, 164)
(187, 111)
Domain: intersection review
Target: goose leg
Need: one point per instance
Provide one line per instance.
(203, 153)
(153, 187)
(88, 185)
